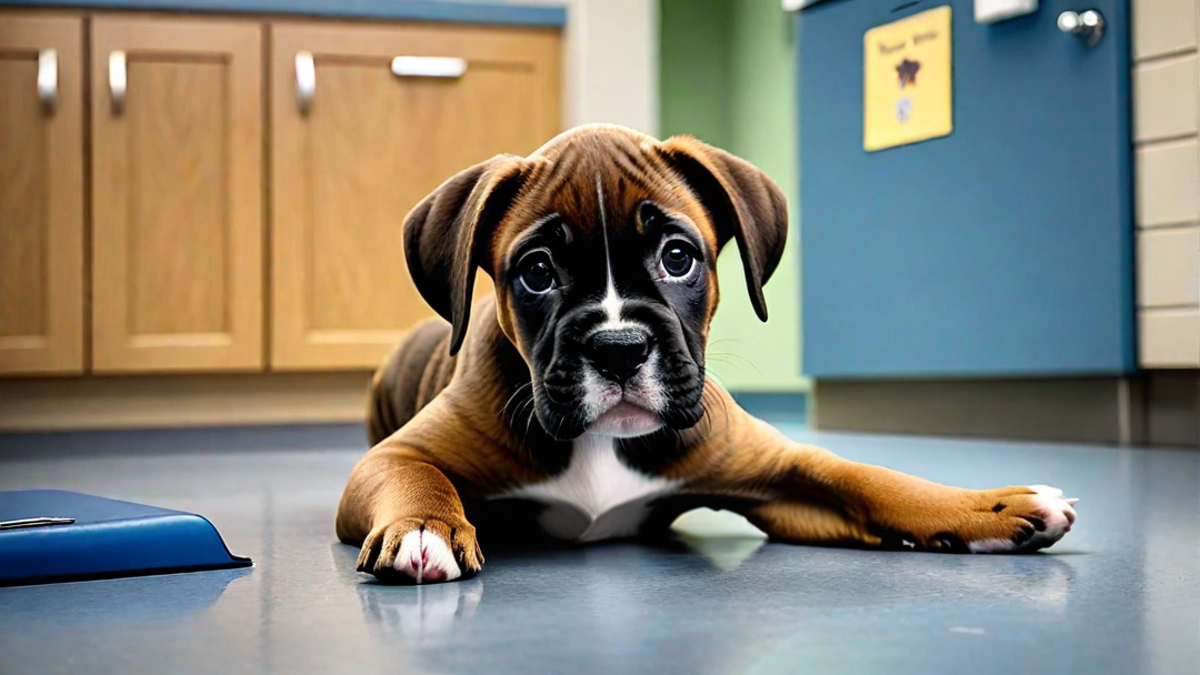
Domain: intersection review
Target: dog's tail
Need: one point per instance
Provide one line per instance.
(417, 369)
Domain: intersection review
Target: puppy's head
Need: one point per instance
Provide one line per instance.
(603, 249)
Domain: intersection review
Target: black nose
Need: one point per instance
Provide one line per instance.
(618, 354)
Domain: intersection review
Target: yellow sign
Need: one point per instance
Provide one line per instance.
(907, 81)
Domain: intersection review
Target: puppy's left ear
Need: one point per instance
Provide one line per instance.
(743, 203)
(447, 235)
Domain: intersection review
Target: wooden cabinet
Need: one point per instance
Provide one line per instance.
(347, 167)
(135, 238)
(41, 194)
(177, 195)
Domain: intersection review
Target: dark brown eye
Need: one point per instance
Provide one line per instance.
(677, 259)
(537, 274)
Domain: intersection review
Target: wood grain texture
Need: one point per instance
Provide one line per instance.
(41, 198)
(345, 174)
(24, 198)
(177, 197)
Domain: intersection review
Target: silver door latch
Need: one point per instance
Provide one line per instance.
(1088, 25)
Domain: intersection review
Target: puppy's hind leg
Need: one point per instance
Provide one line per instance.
(412, 375)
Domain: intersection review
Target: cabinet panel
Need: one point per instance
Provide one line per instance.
(346, 170)
(177, 194)
(41, 194)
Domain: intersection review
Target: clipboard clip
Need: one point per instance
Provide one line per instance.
(40, 521)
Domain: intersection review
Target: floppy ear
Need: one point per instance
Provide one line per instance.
(446, 236)
(743, 203)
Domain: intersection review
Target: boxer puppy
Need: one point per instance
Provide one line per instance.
(579, 390)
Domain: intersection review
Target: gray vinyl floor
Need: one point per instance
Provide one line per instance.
(1121, 594)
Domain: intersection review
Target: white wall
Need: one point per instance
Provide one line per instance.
(1166, 133)
(610, 62)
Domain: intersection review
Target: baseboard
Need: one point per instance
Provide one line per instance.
(181, 401)
(1159, 408)
(774, 406)
(1109, 410)
(73, 444)
(1173, 408)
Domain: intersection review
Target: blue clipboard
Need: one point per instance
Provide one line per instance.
(50, 536)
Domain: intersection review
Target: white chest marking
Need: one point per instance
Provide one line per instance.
(597, 497)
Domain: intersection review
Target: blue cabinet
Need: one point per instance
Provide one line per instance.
(1004, 249)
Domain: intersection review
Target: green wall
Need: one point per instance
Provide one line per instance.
(728, 77)
(695, 60)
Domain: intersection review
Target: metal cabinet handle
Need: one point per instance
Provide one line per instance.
(116, 80)
(429, 66)
(47, 79)
(1088, 25)
(306, 81)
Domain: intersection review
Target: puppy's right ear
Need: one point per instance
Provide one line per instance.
(446, 236)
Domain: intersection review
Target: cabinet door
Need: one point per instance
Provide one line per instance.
(177, 195)
(347, 167)
(1002, 250)
(41, 194)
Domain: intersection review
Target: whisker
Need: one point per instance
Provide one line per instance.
(733, 340)
(518, 392)
(739, 367)
(530, 411)
(731, 364)
(733, 355)
(528, 429)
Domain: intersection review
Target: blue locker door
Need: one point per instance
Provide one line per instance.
(1004, 249)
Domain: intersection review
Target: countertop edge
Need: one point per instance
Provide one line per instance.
(414, 10)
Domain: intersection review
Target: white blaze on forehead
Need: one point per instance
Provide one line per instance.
(612, 301)
(612, 307)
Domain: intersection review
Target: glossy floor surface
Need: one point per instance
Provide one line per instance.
(1121, 594)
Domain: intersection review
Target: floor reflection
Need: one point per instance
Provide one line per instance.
(725, 553)
(420, 615)
(114, 605)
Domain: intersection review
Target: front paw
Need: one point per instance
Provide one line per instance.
(1038, 516)
(421, 551)
(1007, 520)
